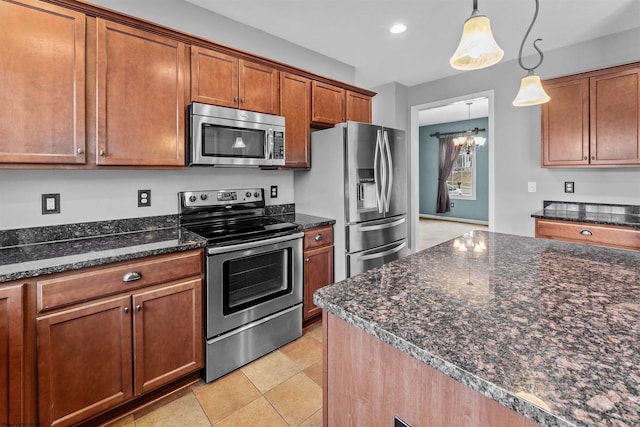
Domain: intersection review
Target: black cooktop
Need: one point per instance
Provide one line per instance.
(232, 230)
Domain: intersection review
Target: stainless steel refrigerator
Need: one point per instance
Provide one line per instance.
(358, 177)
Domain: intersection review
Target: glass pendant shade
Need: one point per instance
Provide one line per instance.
(477, 49)
(531, 92)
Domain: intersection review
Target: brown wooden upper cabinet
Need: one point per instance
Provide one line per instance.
(141, 95)
(226, 80)
(295, 106)
(42, 89)
(327, 104)
(358, 107)
(592, 119)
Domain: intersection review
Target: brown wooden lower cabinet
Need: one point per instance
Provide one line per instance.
(11, 355)
(318, 266)
(594, 234)
(96, 355)
(367, 382)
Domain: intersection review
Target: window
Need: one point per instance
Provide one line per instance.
(461, 182)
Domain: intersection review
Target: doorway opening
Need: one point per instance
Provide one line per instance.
(471, 180)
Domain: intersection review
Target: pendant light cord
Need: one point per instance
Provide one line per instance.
(535, 16)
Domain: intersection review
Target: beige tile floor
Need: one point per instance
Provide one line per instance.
(283, 388)
(432, 232)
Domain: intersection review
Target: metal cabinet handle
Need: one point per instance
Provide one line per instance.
(242, 100)
(235, 99)
(101, 153)
(126, 310)
(319, 237)
(586, 157)
(307, 260)
(132, 276)
(593, 157)
(80, 151)
(138, 307)
(586, 233)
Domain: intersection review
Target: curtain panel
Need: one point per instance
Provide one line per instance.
(448, 155)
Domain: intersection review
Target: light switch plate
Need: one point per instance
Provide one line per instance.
(531, 187)
(51, 203)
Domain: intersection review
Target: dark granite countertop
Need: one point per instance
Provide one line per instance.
(593, 213)
(308, 221)
(553, 319)
(37, 251)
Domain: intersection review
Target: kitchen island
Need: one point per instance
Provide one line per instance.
(495, 329)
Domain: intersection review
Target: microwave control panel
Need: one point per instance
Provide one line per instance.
(278, 145)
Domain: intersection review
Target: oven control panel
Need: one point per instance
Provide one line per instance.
(193, 199)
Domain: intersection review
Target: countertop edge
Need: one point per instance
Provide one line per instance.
(480, 385)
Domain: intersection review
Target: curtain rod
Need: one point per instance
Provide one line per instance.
(474, 131)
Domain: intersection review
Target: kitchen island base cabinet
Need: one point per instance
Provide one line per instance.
(368, 382)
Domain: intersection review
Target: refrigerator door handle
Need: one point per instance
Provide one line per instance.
(381, 226)
(384, 253)
(389, 158)
(379, 153)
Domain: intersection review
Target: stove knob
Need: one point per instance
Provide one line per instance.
(192, 199)
(248, 194)
(203, 197)
(256, 194)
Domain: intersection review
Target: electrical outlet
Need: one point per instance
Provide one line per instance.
(51, 203)
(569, 186)
(531, 187)
(144, 198)
(451, 204)
(274, 191)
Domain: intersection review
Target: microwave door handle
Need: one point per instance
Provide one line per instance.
(375, 171)
(390, 170)
(270, 144)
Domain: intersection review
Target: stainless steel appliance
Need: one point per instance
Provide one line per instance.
(359, 177)
(221, 136)
(253, 294)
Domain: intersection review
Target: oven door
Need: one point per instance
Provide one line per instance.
(249, 281)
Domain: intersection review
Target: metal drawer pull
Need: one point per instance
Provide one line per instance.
(307, 260)
(319, 237)
(138, 307)
(126, 310)
(586, 233)
(132, 276)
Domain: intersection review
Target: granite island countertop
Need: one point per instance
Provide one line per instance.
(37, 251)
(593, 213)
(552, 319)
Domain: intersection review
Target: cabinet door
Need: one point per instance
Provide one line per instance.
(327, 104)
(259, 87)
(42, 83)
(565, 124)
(615, 115)
(168, 334)
(11, 355)
(318, 272)
(84, 360)
(358, 107)
(140, 97)
(214, 77)
(295, 106)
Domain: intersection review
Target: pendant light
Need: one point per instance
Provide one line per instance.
(531, 90)
(477, 49)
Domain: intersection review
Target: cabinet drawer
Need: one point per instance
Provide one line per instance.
(71, 288)
(319, 236)
(618, 237)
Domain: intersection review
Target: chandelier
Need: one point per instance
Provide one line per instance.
(468, 141)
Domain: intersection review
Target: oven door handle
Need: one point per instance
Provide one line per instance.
(254, 244)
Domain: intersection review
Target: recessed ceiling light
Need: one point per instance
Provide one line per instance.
(398, 28)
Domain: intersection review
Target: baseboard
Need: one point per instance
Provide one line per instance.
(453, 219)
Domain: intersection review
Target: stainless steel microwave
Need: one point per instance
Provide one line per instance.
(221, 136)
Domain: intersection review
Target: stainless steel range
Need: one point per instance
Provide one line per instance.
(253, 293)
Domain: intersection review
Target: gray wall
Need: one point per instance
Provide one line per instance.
(517, 133)
(99, 195)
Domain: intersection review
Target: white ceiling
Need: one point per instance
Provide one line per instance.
(356, 32)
